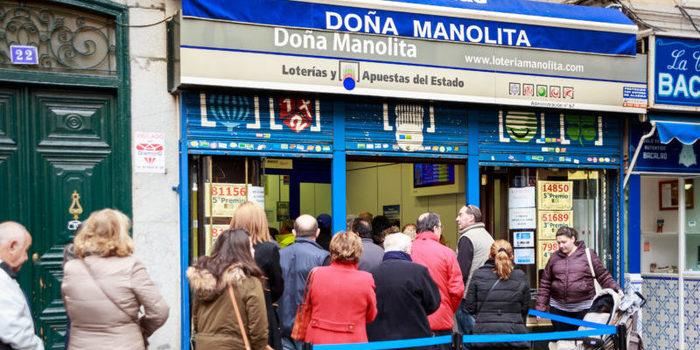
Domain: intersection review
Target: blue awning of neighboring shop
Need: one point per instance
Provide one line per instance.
(686, 133)
(515, 23)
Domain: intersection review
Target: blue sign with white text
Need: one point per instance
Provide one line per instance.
(677, 71)
(656, 156)
(530, 31)
(24, 54)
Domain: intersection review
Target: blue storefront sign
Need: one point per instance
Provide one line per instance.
(677, 71)
(657, 156)
(231, 124)
(583, 29)
(512, 136)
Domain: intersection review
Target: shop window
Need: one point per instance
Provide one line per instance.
(664, 221)
(527, 205)
(692, 225)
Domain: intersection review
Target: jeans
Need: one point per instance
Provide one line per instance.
(465, 321)
(291, 344)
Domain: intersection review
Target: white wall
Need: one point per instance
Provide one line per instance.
(156, 229)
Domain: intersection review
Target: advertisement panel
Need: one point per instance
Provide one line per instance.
(676, 73)
(496, 22)
(359, 64)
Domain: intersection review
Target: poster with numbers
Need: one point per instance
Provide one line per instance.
(555, 195)
(211, 232)
(549, 221)
(222, 199)
(545, 249)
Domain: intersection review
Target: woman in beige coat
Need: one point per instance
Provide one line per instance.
(106, 286)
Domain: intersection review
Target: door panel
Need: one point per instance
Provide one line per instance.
(56, 153)
(73, 161)
(9, 155)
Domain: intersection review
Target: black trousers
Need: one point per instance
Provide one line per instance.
(560, 326)
(447, 346)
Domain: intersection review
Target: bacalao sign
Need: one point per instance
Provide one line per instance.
(675, 74)
(381, 48)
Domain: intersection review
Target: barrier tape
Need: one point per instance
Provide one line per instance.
(598, 329)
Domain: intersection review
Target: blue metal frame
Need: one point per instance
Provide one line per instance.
(473, 177)
(258, 153)
(618, 201)
(634, 231)
(338, 168)
(184, 193)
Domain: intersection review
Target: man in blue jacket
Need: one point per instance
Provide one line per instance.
(297, 260)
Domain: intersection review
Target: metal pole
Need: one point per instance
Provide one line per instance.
(636, 153)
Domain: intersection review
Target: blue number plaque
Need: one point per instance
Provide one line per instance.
(24, 54)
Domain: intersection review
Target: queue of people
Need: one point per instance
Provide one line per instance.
(365, 284)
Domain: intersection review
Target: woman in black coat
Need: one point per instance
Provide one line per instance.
(499, 298)
(251, 216)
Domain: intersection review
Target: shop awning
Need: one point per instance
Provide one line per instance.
(686, 133)
(516, 23)
(684, 129)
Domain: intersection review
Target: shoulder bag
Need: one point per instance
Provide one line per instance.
(134, 319)
(598, 288)
(246, 343)
(303, 316)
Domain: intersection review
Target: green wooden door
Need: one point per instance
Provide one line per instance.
(57, 152)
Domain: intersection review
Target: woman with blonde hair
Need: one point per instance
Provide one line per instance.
(499, 298)
(105, 287)
(342, 298)
(251, 217)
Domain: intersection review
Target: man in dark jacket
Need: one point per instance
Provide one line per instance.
(297, 260)
(371, 253)
(406, 294)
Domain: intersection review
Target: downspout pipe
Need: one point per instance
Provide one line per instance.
(636, 153)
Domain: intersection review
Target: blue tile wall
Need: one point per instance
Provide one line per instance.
(660, 315)
(692, 314)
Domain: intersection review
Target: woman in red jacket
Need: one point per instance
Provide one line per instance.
(342, 297)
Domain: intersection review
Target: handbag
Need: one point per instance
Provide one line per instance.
(246, 343)
(598, 288)
(303, 316)
(134, 319)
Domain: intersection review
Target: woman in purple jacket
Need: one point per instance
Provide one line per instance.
(567, 283)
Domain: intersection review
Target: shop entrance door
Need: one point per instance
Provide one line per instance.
(57, 164)
(526, 206)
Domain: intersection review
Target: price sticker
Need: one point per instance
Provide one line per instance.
(549, 221)
(555, 195)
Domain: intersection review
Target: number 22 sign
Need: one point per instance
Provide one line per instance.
(24, 54)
